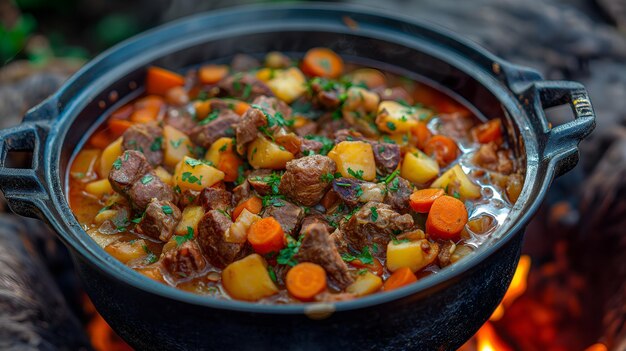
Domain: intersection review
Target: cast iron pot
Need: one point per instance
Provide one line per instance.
(440, 312)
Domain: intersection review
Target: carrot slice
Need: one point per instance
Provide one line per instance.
(118, 126)
(399, 278)
(446, 219)
(322, 62)
(211, 74)
(159, 80)
(101, 139)
(241, 107)
(253, 204)
(487, 132)
(305, 280)
(422, 134)
(422, 200)
(443, 148)
(144, 115)
(375, 267)
(266, 236)
(229, 164)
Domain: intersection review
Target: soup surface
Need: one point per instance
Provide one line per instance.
(289, 181)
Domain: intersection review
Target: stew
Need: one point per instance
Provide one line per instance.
(288, 181)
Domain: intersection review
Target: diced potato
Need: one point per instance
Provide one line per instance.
(190, 218)
(164, 175)
(263, 153)
(359, 98)
(191, 174)
(354, 157)
(109, 155)
(410, 254)
(402, 139)
(83, 167)
(218, 147)
(287, 84)
(365, 284)
(176, 145)
(394, 117)
(103, 239)
(153, 272)
(418, 168)
(99, 187)
(126, 251)
(455, 180)
(238, 231)
(248, 279)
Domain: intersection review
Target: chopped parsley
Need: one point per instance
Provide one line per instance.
(247, 89)
(151, 258)
(374, 215)
(392, 176)
(273, 200)
(270, 271)
(117, 164)
(456, 194)
(328, 177)
(391, 126)
(358, 174)
(156, 144)
(105, 208)
(397, 241)
(181, 239)
(362, 271)
(223, 148)
(395, 185)
(146, 179)
(192, 179)
(176, 143)
(211, 117)
(240, 175)
(365, 257)
(193, 162)
(327, 144)
(167, 210)
(286, 255)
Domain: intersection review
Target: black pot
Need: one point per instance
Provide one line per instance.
(440, 312)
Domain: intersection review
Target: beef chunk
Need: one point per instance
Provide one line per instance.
(242, 192)
(387, 157)
(325, 96)
(303, 182)
(348, 189)
(211, 238)
(181, 119)
(223, 126)
(348, 135)
(287, 214)
(246, 129)
(244, 87)
(215, 199)
(317, 247)
(455, 125)
(272, 105)
(394, 94)
(243, 62)
(183, 262)
(188, 197)
(147, 139)
(127, 170)
(339, 239)
(159, 220)
(489, 157)
(262, 181)
(310, 147)
(398, 192)
(315, 218)
(367, 227)
(308, 128)
(148, 187)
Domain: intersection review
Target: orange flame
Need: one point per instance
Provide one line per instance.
(516, 289)
(102, 337)
(597, 347)
(488, 340)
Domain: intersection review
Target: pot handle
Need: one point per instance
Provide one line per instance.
(24, 188)
(560, 144)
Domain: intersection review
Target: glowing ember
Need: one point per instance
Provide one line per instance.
(488, 340)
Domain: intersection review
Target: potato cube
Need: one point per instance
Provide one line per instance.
(109, 155)
(126, 251)
(192, 174)
(287, 84)
(190, 218)
(248, 279)
(238, 231)
(263, 153)
(456, 181)
(164, 175)
(220, 146)
(99, 187)
(365, 284)
(84, 165)
(418, 168)
(176, 146)
(410, 254)
(354, 159)
(394, 117)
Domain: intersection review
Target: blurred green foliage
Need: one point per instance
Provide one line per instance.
(13, 40)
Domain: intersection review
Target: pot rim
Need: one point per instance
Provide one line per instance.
(64, 222)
